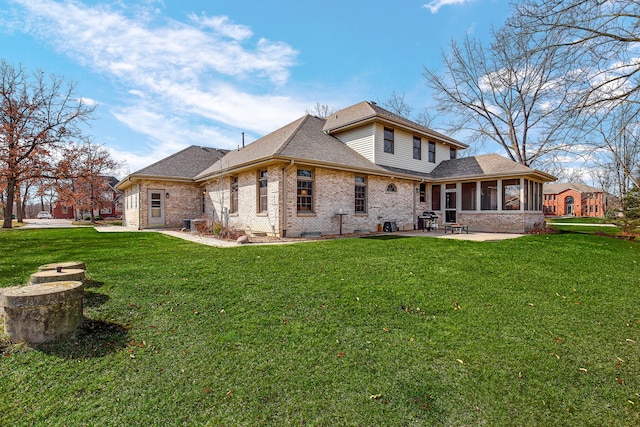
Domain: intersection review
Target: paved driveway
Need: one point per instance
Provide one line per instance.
(47, 223)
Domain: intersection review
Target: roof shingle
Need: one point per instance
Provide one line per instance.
(365, 111)
(487, 164)
(302, 140)
(185, 164)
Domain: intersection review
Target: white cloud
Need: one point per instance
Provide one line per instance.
(435, 5)
(88, 101)
(194, 82)
(223, 26)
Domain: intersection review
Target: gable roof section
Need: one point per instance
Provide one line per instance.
(579, 187)
(302, 141)
(488, 165)
(184, 165)
(366, 111)
(181, 166)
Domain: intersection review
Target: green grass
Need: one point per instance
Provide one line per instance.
(578, 220)
(584, 226)
(542, 330)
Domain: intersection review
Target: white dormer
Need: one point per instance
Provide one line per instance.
(387, 139)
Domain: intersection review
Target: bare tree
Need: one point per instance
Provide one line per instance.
(85, 185)
(38, 116)
(321, 110)
(602, 39)
(619, 131)
(396, 104)
(498, 94)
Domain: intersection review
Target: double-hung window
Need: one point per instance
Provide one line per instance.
(432, 152)
(360, 195)
(417, 148)
(233, 206)
(262, 191)
(305, 191)
(388, 140)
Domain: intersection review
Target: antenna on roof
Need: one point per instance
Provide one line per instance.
(242, 139)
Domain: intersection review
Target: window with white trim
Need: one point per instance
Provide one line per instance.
(360, 195)
(305, 191)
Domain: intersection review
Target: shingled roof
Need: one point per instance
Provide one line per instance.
(184, 164)
(484, 165)
(303, 141)
(559, 188)
(366, 111)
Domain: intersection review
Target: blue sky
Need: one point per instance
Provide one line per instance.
(168, 74)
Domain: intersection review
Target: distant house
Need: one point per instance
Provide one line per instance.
(574, 199)
(113, 209)
(360, 168)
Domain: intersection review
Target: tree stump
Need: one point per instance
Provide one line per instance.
(57, 275)
(42, 312)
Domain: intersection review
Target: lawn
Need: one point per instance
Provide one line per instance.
(584, 226)
(578, 220)
(542, 330)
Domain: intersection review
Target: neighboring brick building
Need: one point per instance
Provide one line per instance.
(574, 199)
(361, 167)
(112, 210)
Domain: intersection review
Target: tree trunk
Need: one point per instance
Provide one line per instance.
(19, 203)
(8, 211)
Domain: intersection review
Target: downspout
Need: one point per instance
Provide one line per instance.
(139, 208)
(284, 199)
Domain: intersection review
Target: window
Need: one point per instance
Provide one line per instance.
(262, 191)
(452, 153)
(511, 195)
(388, 140)
(391, 188)
(156, 205)
(423, 192)
(432, 152)
(233, 208)
(65, 210)
(360, 194)
(417, 148)
(469, 196)
(305, 191)
(533, 195)
(435, 197)
(489, 195)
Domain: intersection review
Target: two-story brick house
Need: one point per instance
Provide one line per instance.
(574, 199)
(357, 169)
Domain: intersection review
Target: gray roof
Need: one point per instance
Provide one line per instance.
(185, 164)
(559, 188)
(303, 141)
(488, 164)
(370, 111)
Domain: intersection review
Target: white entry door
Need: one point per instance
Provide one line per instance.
(156, 207)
